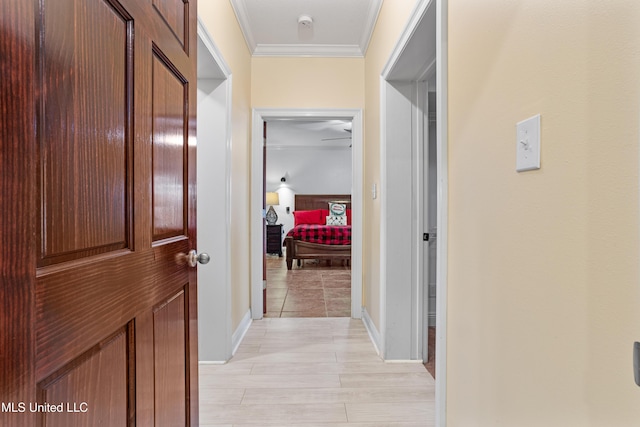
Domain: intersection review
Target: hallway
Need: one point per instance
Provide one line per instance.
(313, 372)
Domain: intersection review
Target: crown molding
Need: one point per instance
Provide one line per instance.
(309, 50)
(242, 15)
(370, 24)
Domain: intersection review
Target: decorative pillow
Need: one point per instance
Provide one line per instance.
(337, 220)
(348, 216)
(337, 209)
(324, 215)
(308, 217)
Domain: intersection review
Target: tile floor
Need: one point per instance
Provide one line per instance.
(314, 289)
(313, 372)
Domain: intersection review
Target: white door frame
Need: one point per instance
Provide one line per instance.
(390, 311)
(213, 217)
(421, 164)
(264, 114)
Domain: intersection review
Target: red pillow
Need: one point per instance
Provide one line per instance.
(348, 216)
(308, 217)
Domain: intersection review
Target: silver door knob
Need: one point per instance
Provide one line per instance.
(193, 258)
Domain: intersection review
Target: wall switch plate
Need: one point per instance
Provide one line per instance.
(528, 144)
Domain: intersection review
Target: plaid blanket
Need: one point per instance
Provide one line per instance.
(324, 234)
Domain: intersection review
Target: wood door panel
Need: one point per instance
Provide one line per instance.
(170, 322)
(169, 150)
(75, 311)
(174, 14)
(84, 212)
(92, 390)
(17, 245)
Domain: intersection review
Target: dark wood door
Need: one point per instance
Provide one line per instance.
(97, 120)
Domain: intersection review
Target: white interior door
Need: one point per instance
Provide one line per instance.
(426, 98)
(423, 212)
(432, 207)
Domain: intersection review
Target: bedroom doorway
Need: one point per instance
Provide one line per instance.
(307, 163)
(260, 116)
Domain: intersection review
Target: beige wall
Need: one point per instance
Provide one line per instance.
(543, 266)
(307, 82)
(220, 21)
(391, 22)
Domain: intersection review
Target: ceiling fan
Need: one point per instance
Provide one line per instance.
(336, 139)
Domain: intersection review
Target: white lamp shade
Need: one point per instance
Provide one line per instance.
(273, 199)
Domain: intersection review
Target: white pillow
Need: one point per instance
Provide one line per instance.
(337, 209)
(337, 220)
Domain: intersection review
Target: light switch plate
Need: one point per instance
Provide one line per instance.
(528, 144)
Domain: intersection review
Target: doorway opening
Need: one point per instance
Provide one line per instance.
(413, 135)
(306, 162)
(260, 116)
(213, 215)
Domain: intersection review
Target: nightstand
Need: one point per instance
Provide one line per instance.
(274, 239)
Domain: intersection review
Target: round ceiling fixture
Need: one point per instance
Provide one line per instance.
(305, 21)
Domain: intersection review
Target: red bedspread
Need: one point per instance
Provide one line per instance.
(323, 234)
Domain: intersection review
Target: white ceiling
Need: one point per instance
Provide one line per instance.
(340, 28)
(306, 134)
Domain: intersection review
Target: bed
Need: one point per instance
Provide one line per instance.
(298, 249)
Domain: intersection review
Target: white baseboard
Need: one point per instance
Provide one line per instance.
(211, 362)
(240, 332)
(373, 332)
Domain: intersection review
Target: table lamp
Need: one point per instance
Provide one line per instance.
(272, 199)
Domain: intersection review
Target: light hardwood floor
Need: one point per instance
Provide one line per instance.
(313, 372)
